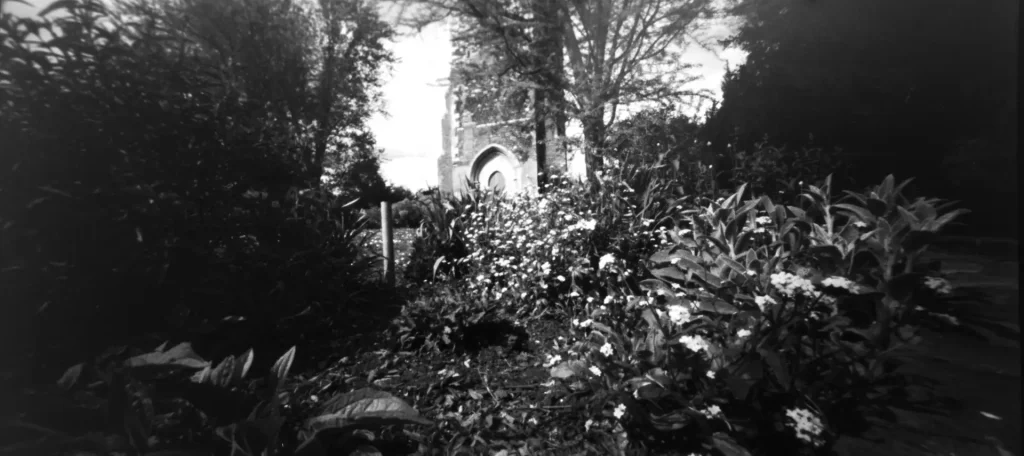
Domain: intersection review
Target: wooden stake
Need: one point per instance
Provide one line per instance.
(388, 241)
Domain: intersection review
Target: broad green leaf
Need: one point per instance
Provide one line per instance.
(725, 444)
(716, 305)
(908, 217)
(279, 371)
(859, 213)
(364, 408)
(562, 371)
(224, 373)
(886, 189)
(202, 376)
(70, 377)
(944, 219)
(778, 366)
(180, 355)
(55, 6)
(242, 368)
(672, 421)
(670, 273)
(732, 264)
(366, 450)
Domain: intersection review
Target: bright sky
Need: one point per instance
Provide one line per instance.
(410, 132)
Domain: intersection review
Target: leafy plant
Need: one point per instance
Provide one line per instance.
(171, 399)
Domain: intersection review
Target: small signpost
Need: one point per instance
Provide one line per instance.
(388, 241)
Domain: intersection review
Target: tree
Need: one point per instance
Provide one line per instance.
(589, 58)
(313, 69)
(351, 57)
(902, 84)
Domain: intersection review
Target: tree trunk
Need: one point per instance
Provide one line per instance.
(315, 164)
(540, 137)
(594, 138)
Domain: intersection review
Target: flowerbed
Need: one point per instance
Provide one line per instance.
(732, 326)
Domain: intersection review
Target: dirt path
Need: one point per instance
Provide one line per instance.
(984, 376)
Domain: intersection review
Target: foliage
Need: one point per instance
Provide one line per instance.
(441, 243)
(140, 158)
(887, 102)
(171, 399)
(770, 170)
(580, 49)
(734, 324)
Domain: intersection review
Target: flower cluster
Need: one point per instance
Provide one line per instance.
(806, 425)
(841, 282)
(694, 343)
(791, 285)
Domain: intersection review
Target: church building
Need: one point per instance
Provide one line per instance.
(497, 155)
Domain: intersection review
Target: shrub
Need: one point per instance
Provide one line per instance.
(782, 171)
(173, 400)
(181, 191)
(749, 324)
(743, 325)
(440, 244)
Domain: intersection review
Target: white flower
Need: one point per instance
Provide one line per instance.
(595, 370)
(841, 282)
(678, 314)
(939, 285)
(791, 285)
(552, 360)
(588, 425)
(764, 301)
(710, 374)
(619, 411)
(743, 333)
(607, 349)
(807, 426)
(860, 224)
(605, 261)
(712, 411)
(608, 299)
(694, 343)
(560, 278)
(763, 220)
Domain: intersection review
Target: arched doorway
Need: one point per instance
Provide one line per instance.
(496, 182)
(494, 168)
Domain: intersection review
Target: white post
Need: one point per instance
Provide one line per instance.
(388, 241)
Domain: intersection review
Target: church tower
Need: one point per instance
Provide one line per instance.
(489, 131)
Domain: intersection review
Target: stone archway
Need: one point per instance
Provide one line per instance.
(496, 168)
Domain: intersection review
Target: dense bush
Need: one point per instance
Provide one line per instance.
(151, 183)
(702, 323)
(781, 171)
(406, 213)
(441, 245)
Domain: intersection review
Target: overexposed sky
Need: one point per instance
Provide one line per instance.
(410, 131)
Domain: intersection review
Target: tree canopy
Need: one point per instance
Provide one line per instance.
(921, 86)
(590, 58)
